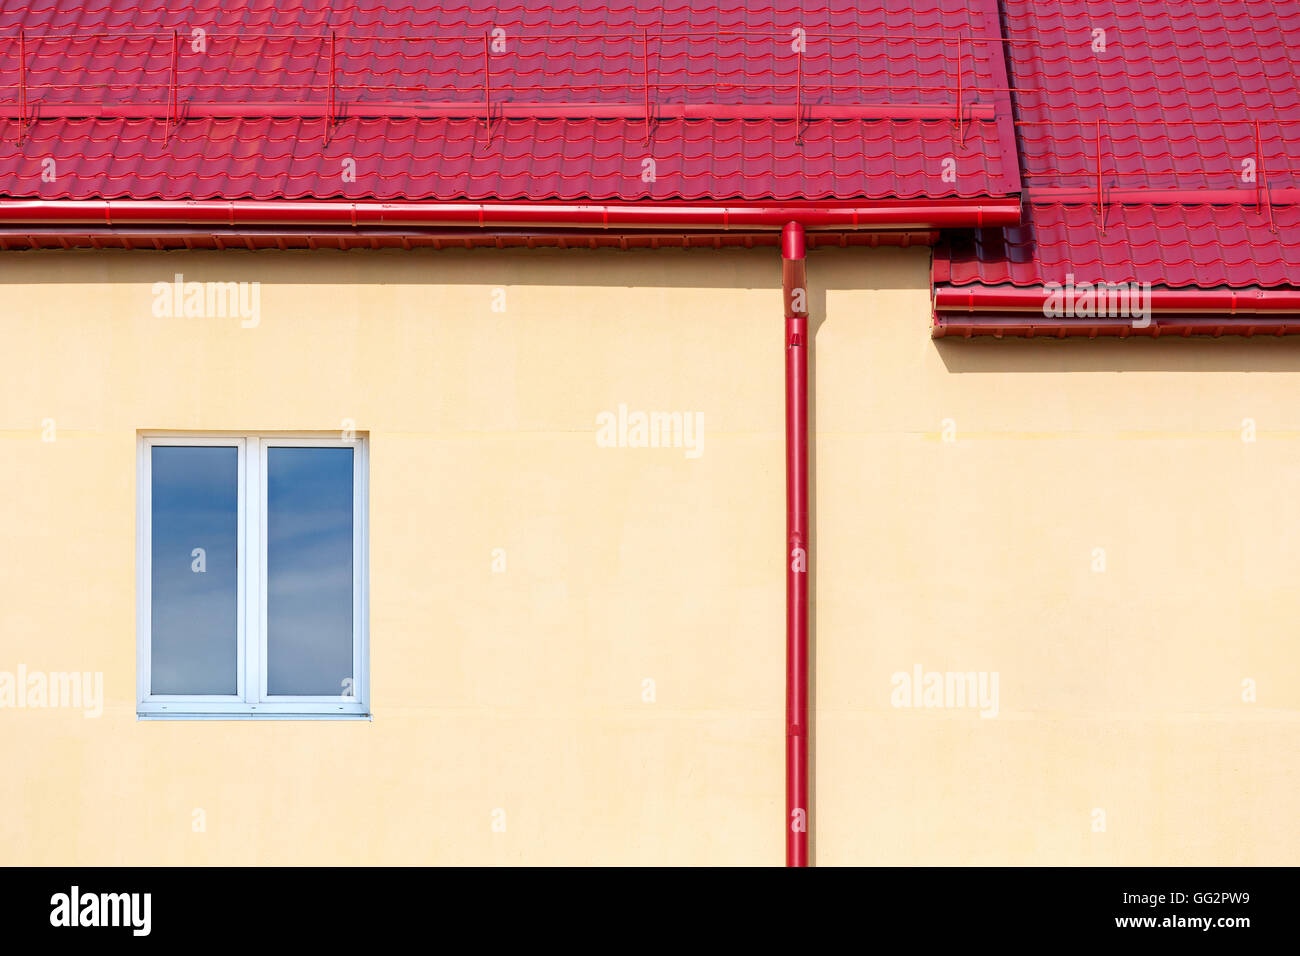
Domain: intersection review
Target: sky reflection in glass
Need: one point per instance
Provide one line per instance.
(194, 597)
(309, 571)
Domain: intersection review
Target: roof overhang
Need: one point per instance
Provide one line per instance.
(999, 311)
(183, 223)
(22, 237)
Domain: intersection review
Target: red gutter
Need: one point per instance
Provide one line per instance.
(1006, 310)
(679, 216)
(795, 288)
(1028, 325)
(282, 237)
(979, 298)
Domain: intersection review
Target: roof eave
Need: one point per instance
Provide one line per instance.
(233, 217)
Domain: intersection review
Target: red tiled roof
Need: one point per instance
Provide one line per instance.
(1178, 89)
(103, 101)
(534, 159)
(1186, 100)
(1136, 120)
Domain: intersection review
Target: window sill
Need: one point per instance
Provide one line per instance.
(267, 716)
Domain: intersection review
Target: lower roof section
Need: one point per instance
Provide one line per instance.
(1242, 245)
(1124, 269)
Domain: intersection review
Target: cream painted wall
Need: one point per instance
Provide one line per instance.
(522, 690)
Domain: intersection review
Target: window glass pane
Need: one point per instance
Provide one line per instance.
(194, 628)
(309, 572)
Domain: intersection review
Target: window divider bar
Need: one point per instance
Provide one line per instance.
(250, 573)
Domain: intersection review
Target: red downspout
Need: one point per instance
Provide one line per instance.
(794, 275)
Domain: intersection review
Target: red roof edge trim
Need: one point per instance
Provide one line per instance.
(1003, 311)
(214, 237)
(1021, 325)
(231, 215)
(1230, 302)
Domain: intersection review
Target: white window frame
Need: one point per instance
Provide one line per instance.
(251, 700)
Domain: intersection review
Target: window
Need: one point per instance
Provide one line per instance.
(252, 572)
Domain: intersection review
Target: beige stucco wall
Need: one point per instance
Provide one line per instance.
(1120, 689)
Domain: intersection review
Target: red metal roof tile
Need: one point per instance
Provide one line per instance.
(568, 87)
(1177, 90)
(446, 159)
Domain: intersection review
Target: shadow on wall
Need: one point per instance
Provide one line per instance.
(829, 269)
(699, 268)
